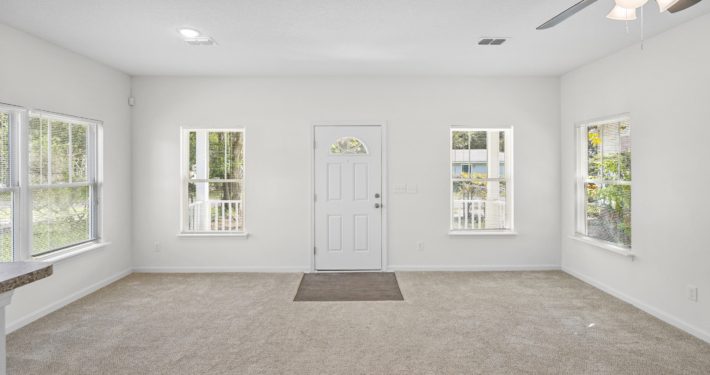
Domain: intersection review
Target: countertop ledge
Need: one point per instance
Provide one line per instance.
(16, 274)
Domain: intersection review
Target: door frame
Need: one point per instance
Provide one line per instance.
(385, 191)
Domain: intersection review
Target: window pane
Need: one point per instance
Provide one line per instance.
(459, 140)
(214, 207)
(457, 170)
(478, 170)
(497, 136)
(608, 212)
(79, 152)
(235, 157)
(67, 150)
(192, 155)
(217, 155)
(225, 150)
(225, 191)
(349, 146)
(479, 205)
(625, 145)
(4, 149)
(477, 156)
(60, 217)
(478, 140)
(6, 227)
(460, 154)
(610, 148)
(38, 150)
(594, 159)
(59, 151)
(468, 154)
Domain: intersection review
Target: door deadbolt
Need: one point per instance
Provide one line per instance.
(377, 195)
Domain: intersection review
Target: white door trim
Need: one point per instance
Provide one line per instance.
(385, 189)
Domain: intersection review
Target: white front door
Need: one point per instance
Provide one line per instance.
(348, 201)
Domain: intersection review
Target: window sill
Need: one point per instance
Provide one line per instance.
(204, 234)
(457, 233)
(71, 252)
(604, 245)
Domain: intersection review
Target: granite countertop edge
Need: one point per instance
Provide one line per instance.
(16, 281)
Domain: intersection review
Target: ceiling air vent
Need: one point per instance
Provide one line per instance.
(491, 41)
(200, 41)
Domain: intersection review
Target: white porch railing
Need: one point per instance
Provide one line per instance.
(214, 216)
(478, 214)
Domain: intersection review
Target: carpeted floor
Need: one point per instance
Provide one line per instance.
(449, 323)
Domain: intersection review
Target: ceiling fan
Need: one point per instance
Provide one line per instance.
(624, 10)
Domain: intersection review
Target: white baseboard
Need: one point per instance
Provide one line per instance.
(477, 268)
(31, 317)
(219, 269)
(662, 315)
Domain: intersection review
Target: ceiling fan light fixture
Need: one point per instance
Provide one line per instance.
(663, 5)
(631, 4)
(622, 14)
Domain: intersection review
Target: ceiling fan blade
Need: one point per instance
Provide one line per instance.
(566, 14)
(682, 4)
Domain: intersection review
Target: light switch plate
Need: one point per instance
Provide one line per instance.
(693, 293)
(399, 188)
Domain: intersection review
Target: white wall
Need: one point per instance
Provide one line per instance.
(36, 74)
(666, 88)
(278, 113)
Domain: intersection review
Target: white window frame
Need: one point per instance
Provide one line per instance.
(93, 182)
(16, 116)
(508, 179)
(185, 179)
(582, 178)
(21, 189)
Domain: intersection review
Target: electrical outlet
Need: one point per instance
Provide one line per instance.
(693, 293)
(157, 246)
(420, 246)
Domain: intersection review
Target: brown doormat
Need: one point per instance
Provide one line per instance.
(356, 286)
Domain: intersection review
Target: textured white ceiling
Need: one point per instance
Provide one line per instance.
(329, 37)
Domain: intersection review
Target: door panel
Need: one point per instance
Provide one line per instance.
(348, 186)
(360, 183)
(334, 182)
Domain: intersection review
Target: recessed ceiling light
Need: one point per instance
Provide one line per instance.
(189, 33)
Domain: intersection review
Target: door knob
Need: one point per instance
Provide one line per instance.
(377, 205)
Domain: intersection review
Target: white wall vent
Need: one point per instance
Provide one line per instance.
(491, 41)
(200, 41)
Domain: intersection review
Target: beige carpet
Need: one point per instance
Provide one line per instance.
(449, 323)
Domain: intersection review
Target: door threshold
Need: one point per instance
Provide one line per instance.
(347, 271)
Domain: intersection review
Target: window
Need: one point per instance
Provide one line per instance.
(49, 192)
(9, 187)
(63, 188)
(604, 181)
(213, 181)
(348, 146)
(481, 180)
